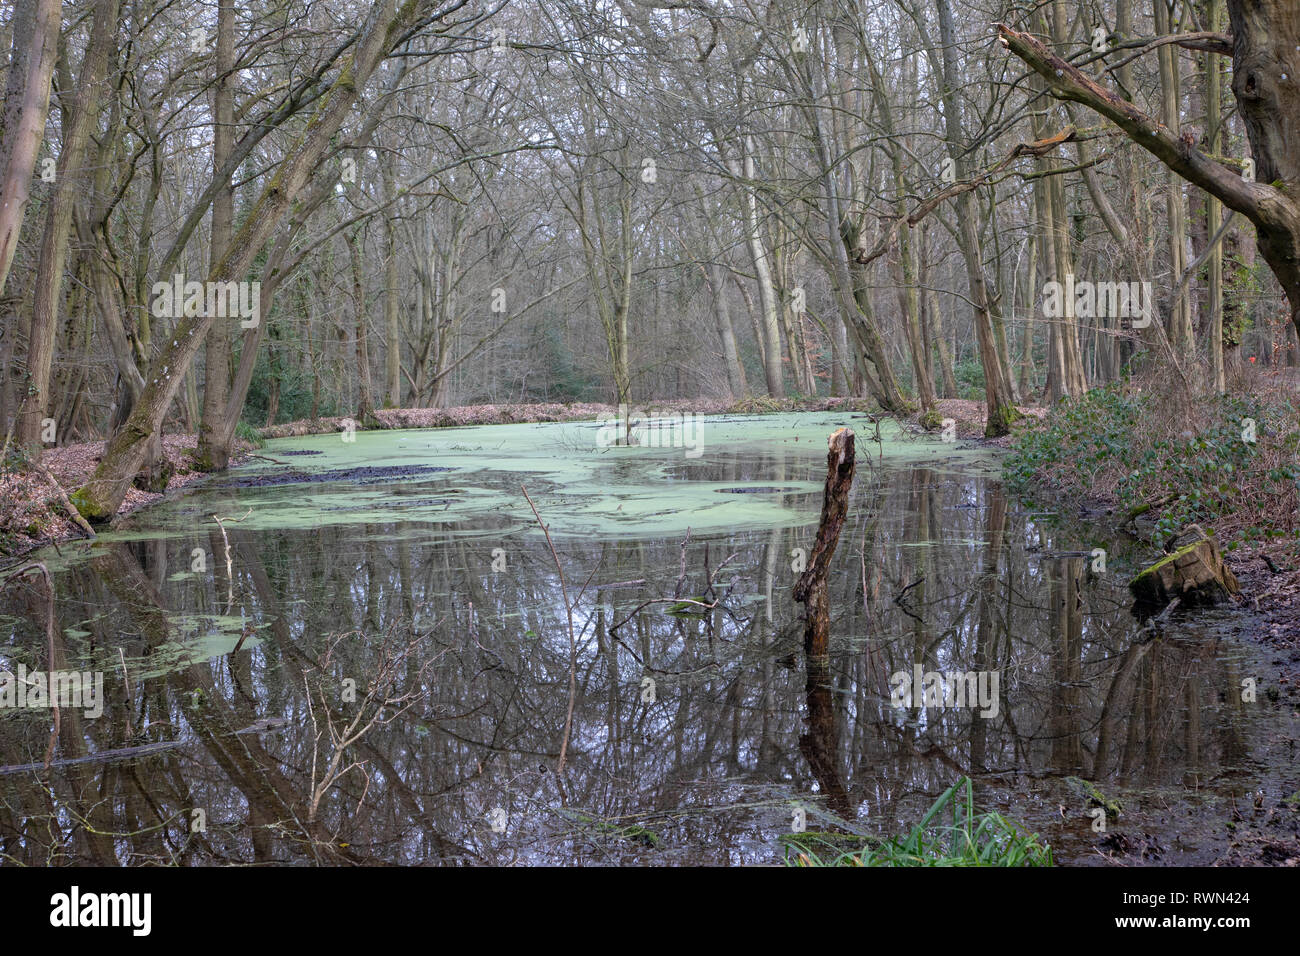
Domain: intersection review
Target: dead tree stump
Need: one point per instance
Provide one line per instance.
(1194, 573)
(810, 590)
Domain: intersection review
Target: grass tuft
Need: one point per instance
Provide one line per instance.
(952, 833)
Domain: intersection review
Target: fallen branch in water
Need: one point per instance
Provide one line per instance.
(68, 506)
(121, 753)
(702, 605)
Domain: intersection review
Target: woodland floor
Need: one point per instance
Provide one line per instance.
(32, 513)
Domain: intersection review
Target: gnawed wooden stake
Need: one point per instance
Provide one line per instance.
(810, 590)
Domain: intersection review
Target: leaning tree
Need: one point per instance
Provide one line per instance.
(1265, 48)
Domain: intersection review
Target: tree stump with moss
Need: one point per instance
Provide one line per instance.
(1195, 573)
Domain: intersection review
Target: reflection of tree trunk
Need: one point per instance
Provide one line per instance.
(1118, 685)
(1192, 731)
(93, 838)
(251, 770)
(917, 532)
(1065, 623)
(1231, 729)
(987, 633)
(1133, 740)
(820, 745)
(1152, 719)
(773, 553)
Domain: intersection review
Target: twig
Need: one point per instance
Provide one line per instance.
(1272, 566)
(230, 571)
(573, 644)
(898, 598)
(126, 679)
(707, 606)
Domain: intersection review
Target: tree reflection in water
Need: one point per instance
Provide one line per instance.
(461, 676)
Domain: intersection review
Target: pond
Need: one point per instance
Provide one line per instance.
(365, 657)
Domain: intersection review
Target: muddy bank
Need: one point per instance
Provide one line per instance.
(1254, 826)
(365, 475)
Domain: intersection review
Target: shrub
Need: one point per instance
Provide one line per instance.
(1181, 459)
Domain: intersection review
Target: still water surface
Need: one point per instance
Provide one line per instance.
(385, 675)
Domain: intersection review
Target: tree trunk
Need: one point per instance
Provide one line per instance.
(214, 455)
(392, 299)
(717, 280)
(100, 498)
(366, 398)
(997, 385)
(1179, 320)
(771, 322)
(1213, 209)
(71, 184)
(27, 101)
(909, 304)
(1264, 36)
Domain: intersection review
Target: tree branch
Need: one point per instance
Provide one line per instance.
(1256, 201)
